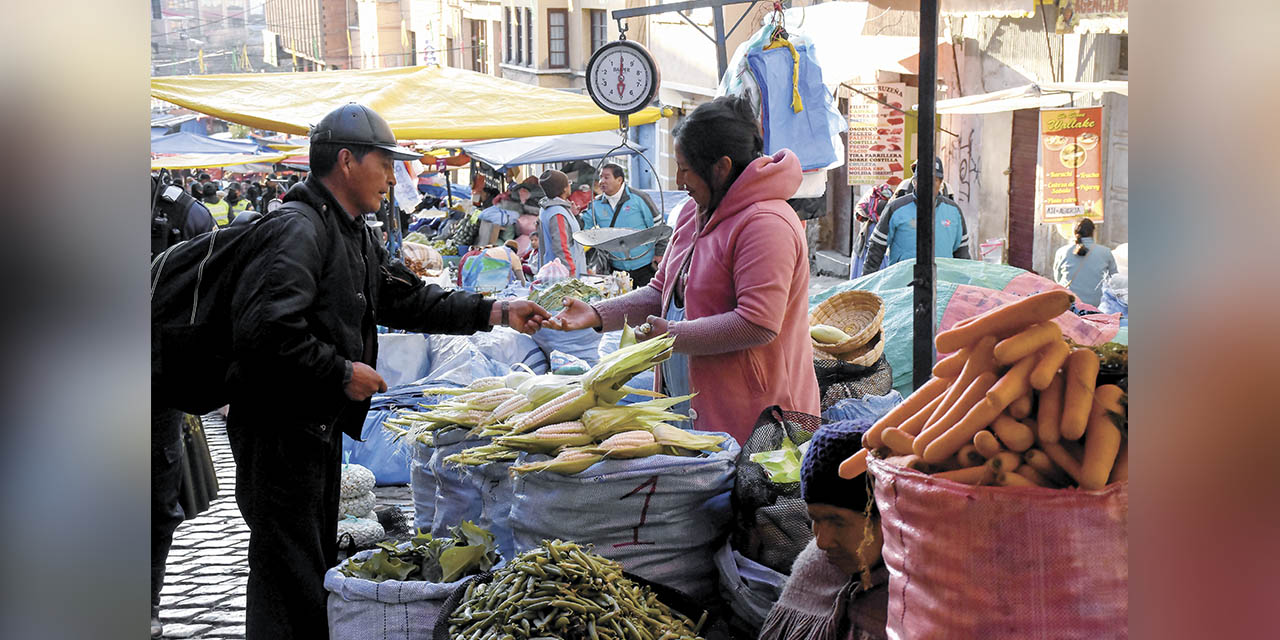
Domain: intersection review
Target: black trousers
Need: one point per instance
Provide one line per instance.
(287, 487)
(166, 482)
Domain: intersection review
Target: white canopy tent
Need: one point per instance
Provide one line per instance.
(1031, 96)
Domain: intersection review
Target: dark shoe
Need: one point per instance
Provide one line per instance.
(157, 629)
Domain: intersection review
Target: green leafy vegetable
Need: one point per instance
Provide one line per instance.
(782, 465)
(468, 551)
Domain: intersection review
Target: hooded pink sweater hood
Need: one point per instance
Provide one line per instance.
(751, 259)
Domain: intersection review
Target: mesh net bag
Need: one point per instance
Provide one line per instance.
(838, 380)
(771, 520)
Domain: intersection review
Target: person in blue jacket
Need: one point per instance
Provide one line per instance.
(896, 231)
(620, 206)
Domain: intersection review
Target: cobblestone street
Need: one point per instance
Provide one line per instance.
(204, 592)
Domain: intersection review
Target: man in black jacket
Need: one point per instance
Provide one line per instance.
(304, 320)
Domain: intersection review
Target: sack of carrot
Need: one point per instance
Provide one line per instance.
(1014, 404)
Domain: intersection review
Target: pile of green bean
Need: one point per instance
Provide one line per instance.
(561, 591)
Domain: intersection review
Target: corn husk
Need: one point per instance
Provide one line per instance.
(548, 439)
(628, 444)
(669, 436)
(606, 379)
(483, 454)
(604, 421)
(568, 462)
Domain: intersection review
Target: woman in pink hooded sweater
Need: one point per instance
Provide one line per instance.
(733, 285)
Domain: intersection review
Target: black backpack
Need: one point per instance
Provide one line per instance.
(191, 287)
(169, 207)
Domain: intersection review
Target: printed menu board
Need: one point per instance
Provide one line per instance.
(878, 133)
(1071, 164)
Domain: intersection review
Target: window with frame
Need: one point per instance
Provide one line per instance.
(528, 37)
(599, 28)
(506, 25)
(518, 57)
(557, 38)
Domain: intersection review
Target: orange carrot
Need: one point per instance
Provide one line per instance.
(1035, 309)
(1029, 341)
(1013, 384)
(1107, 398)
(1004, 461)
(915, 423)
(910, 461)
(1021, 407)
(950, 366)
(1013, 434)
(1101, 447)
(1050, 414)
(1065, 461)
(980, 361)
(914, 402)
(1051, 359)
(854, 465)
(1120, 472)
(1012, 479)
(947, 444)
(968, 456)
(968, 475)
(1038, 460)
(1029, 472)
(897, 440)
(986, 444)
(977, 391)
(1077, 401)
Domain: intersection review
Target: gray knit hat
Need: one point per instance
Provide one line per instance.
(820, 481)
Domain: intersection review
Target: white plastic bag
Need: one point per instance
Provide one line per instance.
(552, 272)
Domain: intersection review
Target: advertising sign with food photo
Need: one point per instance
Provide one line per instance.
(1071, 164)
(878, 133)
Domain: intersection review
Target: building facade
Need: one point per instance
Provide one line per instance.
(312, 35)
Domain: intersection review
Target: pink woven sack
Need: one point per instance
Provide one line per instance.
(1002, 562)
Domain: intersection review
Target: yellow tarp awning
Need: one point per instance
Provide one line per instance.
(209, 160)
(418, 102)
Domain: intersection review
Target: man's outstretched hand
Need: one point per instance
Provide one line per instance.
(522, 315)
(576, 315)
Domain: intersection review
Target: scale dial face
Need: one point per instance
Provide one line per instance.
(622, 77)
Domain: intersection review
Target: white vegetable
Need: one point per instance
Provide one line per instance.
(358, 506)
(356, 480)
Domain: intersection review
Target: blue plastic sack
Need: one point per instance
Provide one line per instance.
(583, 343)
(661, 517)
(457, 497)
(864, 410)
(423, 484)
(807, 133)
(388, 460)
(748, 587)
(1113, 304)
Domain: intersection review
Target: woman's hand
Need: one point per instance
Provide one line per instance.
(657, 327)
(576, 315)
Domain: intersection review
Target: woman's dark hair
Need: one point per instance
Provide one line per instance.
(324, 157)
(725, 126)
(1084, 229)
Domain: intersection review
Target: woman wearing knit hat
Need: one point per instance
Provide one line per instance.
(839, 587)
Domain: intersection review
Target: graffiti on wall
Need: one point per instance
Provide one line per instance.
(965, 172)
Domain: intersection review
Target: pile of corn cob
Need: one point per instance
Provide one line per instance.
(576, 418)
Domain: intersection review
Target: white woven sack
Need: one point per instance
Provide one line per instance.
(422, 481)
(661, 517)
(362, 609)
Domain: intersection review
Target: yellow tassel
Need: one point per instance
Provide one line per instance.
(797, 105)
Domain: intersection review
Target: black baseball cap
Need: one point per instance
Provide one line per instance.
(357, 124)
(937, 166)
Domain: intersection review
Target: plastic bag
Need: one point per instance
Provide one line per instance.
(748, 587)
(567, 365)
(552, 272)
(403, 357)
(423, 484)
(490, 270)
(1002, 562)
(660, 516)
(426, 255)
(362, 609)
(866, 409)
(388, 460)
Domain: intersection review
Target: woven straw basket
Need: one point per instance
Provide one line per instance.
(865, 356)
(857, 313)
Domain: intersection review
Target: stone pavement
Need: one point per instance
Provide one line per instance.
(204, 592)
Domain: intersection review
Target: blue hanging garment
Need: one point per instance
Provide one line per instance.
(789, 77)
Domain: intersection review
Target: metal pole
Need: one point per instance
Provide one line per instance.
(925, 270)
(722, 58)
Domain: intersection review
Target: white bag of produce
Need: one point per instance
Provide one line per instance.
(661, 517)
(358, 506)
(457, 496)
(403, 357)
(356, 480)
(749, 588)
(359, 531)
(422, 481)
